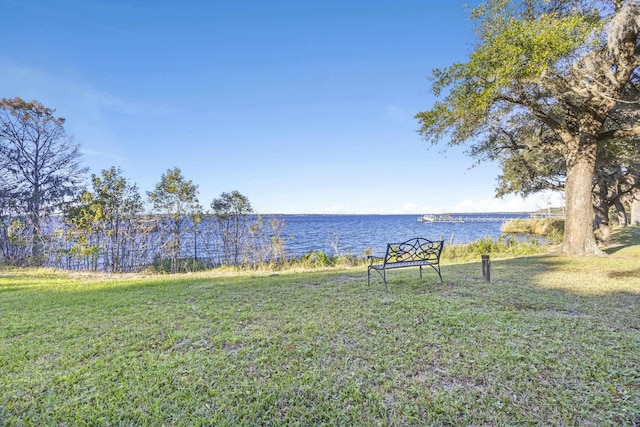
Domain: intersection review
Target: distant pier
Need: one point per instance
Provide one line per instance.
(465, 218)
(483, 218)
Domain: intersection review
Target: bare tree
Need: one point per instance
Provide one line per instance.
(38, 161)
(265, 241)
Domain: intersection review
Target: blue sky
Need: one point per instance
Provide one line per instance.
(302, 106)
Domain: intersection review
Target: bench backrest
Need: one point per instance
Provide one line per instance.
(416, 249)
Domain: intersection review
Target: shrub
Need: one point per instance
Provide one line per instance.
(185, 265)
(315, 259)
(505, 245)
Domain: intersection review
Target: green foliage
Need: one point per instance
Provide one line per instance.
(504, 246)
(514, 49)
(230, 205)
(349, 260)
(15, 237)
(177, 199)
(316, 259)
(115, 197)
(521, 49)
(174, 195)
(15, 233)
(104, 218)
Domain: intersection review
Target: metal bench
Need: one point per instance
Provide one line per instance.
(416, 252)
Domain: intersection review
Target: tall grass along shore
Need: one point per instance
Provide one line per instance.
(550, 227)
(550, 341)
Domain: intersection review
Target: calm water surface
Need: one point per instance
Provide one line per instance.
(355, 233)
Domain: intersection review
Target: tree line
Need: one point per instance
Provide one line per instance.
(49, 216)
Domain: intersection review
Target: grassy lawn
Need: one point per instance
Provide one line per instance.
(550, 341)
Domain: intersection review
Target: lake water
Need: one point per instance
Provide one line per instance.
(355, 233)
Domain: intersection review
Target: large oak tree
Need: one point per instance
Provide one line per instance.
(530, 164)
(568, 69)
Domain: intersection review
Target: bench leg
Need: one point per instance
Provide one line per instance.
(383, 275)
(384, 279)
(437, 269)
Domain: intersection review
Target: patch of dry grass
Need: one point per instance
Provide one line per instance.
(552, 227)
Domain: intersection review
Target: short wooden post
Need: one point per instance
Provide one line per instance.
(486, 268)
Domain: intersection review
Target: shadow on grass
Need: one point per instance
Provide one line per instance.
(624, 238)
(627, 274)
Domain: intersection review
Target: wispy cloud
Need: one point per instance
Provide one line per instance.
(395, 113)
(89, 110)
(102, 154)
(510, 203)
(33, 83)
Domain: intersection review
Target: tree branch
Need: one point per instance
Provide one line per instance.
(619, 133)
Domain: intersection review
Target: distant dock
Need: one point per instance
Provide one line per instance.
(465, 218)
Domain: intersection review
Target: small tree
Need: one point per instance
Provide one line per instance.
(232, 211)
(38, 161)
(82, 219)
(110, 212)
(14, 236)
(177, 199)
(120, 204)
(14, 233)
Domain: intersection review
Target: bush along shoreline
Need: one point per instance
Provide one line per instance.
(551, 228)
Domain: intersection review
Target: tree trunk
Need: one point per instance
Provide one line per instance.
(622, 214)
(601, 209)
(37, 244)
(578, 226)
(635, 210)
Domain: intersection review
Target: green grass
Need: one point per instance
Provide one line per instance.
(550, 341)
